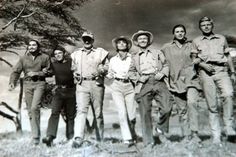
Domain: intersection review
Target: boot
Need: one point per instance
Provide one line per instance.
(48, 140)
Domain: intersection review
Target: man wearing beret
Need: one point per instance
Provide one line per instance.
(90, 65)
(211, 54)
(149, 71)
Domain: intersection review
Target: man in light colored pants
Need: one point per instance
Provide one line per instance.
(86, 92)
(89, 65)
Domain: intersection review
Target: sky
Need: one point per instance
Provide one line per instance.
(108, 19)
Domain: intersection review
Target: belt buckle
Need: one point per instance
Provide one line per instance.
(63, 86)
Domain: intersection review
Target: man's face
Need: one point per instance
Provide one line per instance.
(59, 55)
(206, 27)
(33, 46)
(179, 33)
(88, 42)
(142, 41)
(121, 45)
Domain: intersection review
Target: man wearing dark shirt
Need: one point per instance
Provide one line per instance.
(33, 64)
(64, 97)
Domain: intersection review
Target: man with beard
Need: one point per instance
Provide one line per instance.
(90, 65)
(34, 64)
(211, 54)
(149, 71)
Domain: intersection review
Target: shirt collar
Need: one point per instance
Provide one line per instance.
(29, 54)
(118, 56)
(175, 42)
(88, 51)
(213, 36)
(147, 50)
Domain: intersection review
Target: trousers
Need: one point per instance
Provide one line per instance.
(158, 91)
(123, 97)
(89, 93)
(33, 97)
(63, 99)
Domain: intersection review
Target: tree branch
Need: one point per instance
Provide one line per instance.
(26, 16)
(11, 52)
(14, 19)
(8, 63)
(59, 3)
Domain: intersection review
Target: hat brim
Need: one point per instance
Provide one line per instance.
(115, 40)
(137, 34)
(89, 36)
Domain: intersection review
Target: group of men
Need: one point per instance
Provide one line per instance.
(179, 70)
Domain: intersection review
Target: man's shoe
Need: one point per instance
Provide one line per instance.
(77, 142)
(48, 140)
(129, 143)
(35, 141)
(230, 132)
(194, 137)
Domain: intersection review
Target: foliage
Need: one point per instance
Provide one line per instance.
(50, 21)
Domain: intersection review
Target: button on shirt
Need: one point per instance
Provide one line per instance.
(180, 63)
(211, 48)
(29, 63)
(119, 67)
(148, 62)
(86, 62)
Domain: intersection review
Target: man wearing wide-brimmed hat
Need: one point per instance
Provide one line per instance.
(90, 65)
(122, 88)
(149, 71)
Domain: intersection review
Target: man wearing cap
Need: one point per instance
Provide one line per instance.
(64, 95)
(34, 64)
(149, 71)
(211, 54)
(122, 89)
(90, 65)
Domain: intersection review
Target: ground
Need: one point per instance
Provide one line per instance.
(14, 144)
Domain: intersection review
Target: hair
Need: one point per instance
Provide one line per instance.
(36, 41)
(205, 18)
(58, 47)
(127, 45)
(179, 25)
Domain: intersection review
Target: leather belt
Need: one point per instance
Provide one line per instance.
(122, 80)
(216, 63)
(65, 86)
(88, 78)
(35, 78)
(148, 74)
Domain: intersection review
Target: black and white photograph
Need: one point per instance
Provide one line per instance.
(117, 78)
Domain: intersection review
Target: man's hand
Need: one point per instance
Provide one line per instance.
(143, 78)
(110, 75)
(196, 61)
(32, 73)
(45, 70)
(233, 78)
(11, 86)
(207, 67)
(77, 77)
(159, 76)
(100, 69)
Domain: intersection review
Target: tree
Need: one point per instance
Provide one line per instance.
(51, 20)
